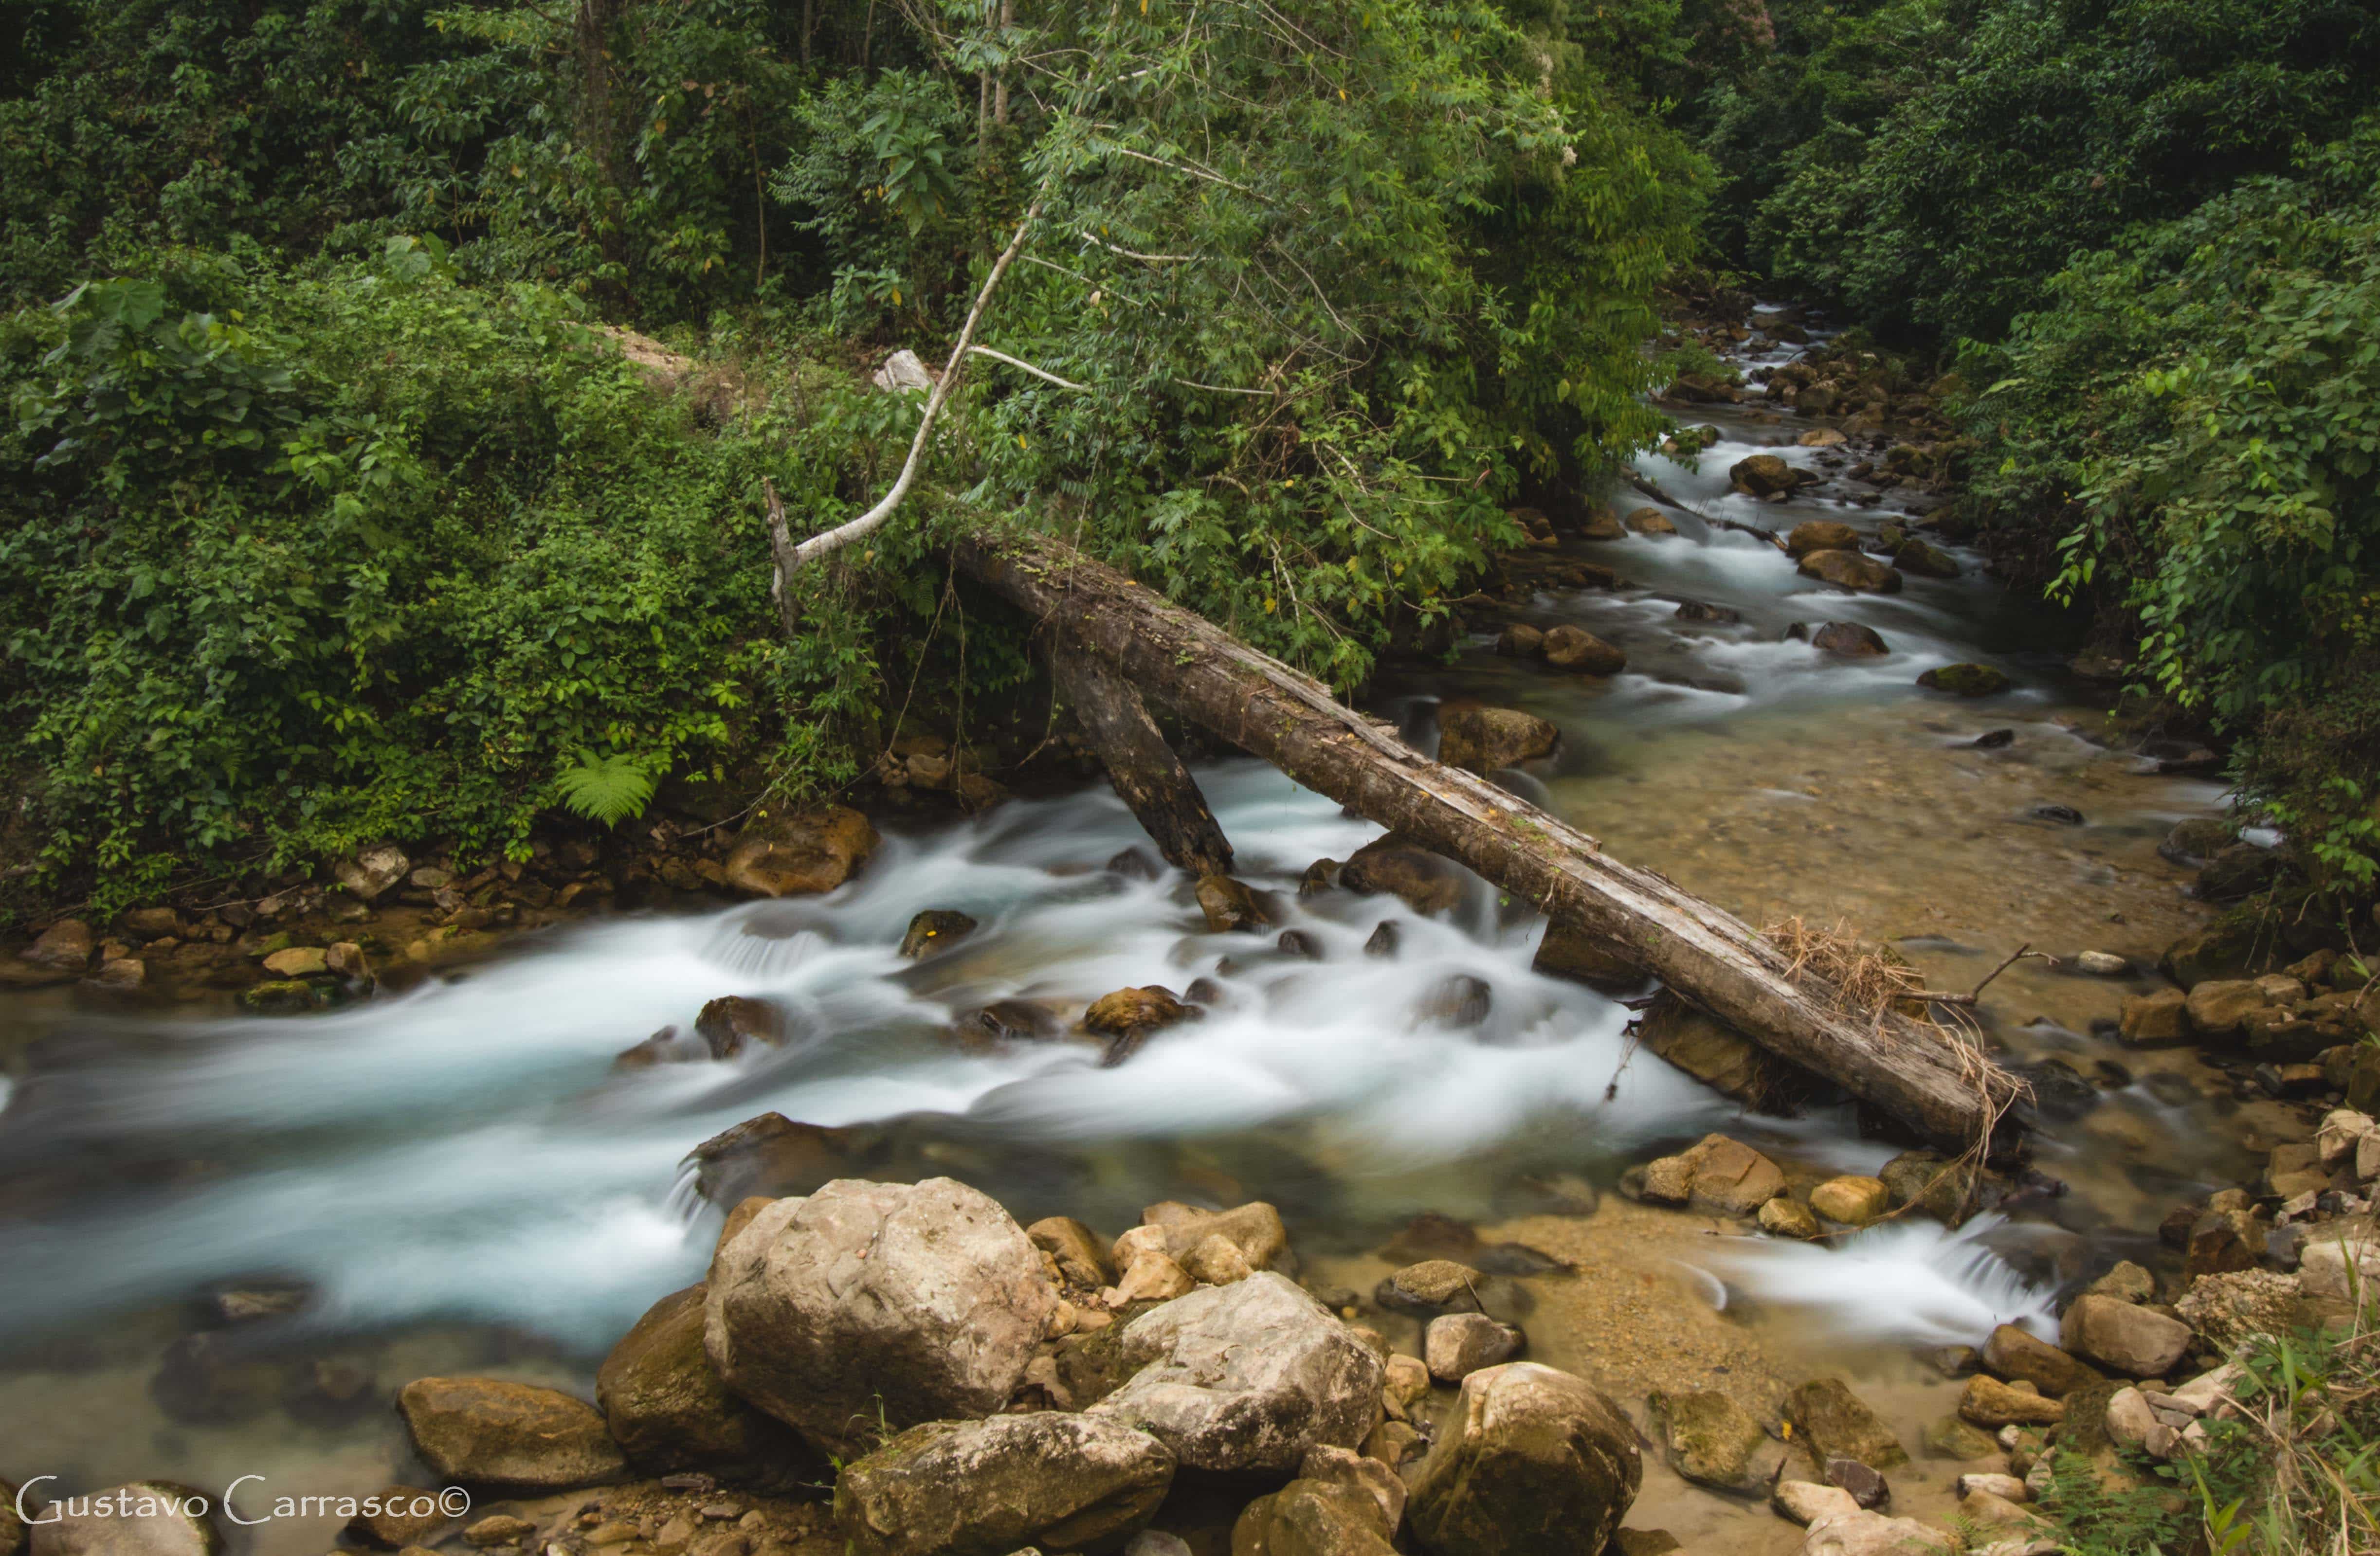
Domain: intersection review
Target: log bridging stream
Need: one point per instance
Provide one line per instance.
(1929, 1080)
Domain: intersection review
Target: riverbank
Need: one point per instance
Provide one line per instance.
(460, 1179)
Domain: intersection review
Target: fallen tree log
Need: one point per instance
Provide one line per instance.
(1931, 1080)
(1146, 774)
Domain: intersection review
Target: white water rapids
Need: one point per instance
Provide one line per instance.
(464, 1151)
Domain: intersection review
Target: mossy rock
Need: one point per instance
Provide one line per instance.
(285, 996)
(2236, 945)
(1966, 680)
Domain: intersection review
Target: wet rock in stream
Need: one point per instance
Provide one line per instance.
(872, 1301)
(934, 929)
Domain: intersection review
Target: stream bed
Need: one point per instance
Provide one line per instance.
(460, 1180)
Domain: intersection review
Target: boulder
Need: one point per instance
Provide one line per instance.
(142, 1518)
(2154, 1020)
(772, 1155)
(1852, 1202)
(1215, 1260)
(2222, 1239)
(1129, 1011)
(1710, 1439)
(2220, 1006)
(1530, 1460)
(1721, 1176)
(1788, 1217)
(2227, 948)
(1480, 740)
(936, 928)
(1849, 639)
(391, 1518)
(1650, 522)
(1951, 1437)
(1805, 1503)
(1602, 524)
(733, 1023)
(1052, 1479)
(2345, 1268)
(1964, 680)
(1310, 1517)
(799, 855)
(2125, 1281)
(2015, 1354)
(1574, 648)
(484, 1431)
(64, 945)
(1936, 1186)
(1228, 905)
(1866, 1486)
(1396, 866)
(1849, 569)
(1080, 1255)
(1863, 1533)
(1988, 1402)
(1765, 475)
(2123, 1337)
(1719, 1056)
(1374, 1477)
(1834, 1423)
(869, 1302)
(1455, 1345)
(1247, 1377)
(373, 872)
(1927, 561)
(1152, 1277)
(1255, 1229)
(1820, 534)
(668, 1409)
(1520, 640)
(1430, 1287)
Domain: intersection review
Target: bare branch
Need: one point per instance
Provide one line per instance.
(1016, 362)
(843, 535)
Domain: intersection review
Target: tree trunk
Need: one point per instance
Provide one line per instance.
(1944, 1090)
(1149, 777)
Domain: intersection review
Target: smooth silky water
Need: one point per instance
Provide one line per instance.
(468, 1184)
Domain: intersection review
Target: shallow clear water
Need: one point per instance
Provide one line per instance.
(467, 1182)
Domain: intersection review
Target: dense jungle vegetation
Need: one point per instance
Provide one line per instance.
(330, 516)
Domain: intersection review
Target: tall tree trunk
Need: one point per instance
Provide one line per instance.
(599, 128)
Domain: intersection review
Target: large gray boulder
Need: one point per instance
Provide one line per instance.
(1531, 1460)
(487, 1431)
(143, 1518)
(869, 1305)
(1051, 1480)
(1247, 1377)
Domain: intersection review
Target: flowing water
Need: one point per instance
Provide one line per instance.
(463, 1181)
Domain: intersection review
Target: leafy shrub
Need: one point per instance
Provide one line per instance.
(296, 562)
(2200, 409)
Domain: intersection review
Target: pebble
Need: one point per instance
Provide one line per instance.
(2103, 964)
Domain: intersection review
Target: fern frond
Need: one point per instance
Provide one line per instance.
(607, 789)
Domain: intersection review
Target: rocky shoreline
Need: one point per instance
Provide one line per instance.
(901, 1369)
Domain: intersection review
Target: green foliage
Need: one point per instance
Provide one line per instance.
(1932, 163)
(328, 517)
(1338, 289)
(297, 561)
(607, 789)
(2201, 411)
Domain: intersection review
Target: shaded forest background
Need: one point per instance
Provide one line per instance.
(328, 516)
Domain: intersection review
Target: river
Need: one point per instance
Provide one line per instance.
(462, 1181)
